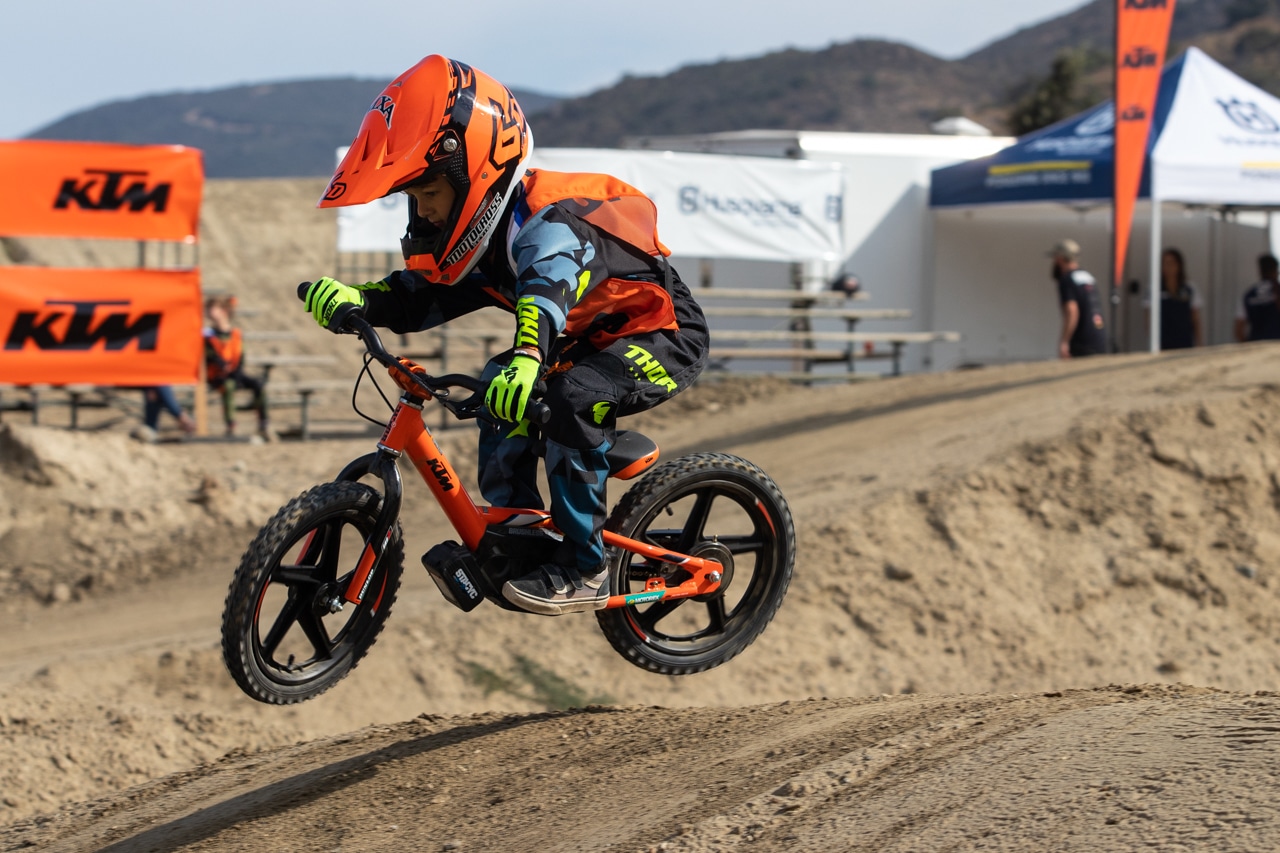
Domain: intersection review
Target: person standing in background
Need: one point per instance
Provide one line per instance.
(1258, 315)
(1180, 305)
(1083, 329)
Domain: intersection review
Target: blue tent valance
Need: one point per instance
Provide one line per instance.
(1073, 160)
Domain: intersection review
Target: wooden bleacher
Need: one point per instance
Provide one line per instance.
(459, 347)
(799, 342)
(33, 399)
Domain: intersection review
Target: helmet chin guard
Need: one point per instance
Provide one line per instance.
(439, 118)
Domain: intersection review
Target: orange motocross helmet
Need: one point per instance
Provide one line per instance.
(440, 117)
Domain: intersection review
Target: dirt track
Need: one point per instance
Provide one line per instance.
(981, 555)
(968, 534)
(1104, 769)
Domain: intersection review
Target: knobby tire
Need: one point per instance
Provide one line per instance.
(709, 505)
(296, 651)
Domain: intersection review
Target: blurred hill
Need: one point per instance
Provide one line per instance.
(267, 130)
(876, 86)
(292, 129)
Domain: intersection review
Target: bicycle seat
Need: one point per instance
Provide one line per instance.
(631, 455)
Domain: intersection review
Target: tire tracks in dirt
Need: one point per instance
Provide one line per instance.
(1108, 768)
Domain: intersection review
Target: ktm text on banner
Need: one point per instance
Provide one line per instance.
(92, 189)
(100, 327)
(1142, 35)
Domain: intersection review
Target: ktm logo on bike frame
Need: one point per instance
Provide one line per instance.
(441, 474)
(114, 330)
(103, 189)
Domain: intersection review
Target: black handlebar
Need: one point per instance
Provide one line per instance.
(352, 321)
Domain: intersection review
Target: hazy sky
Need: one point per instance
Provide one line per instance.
(60, 56)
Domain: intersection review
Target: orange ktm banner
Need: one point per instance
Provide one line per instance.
(99, 327)
(1142, 36)
(95, 189)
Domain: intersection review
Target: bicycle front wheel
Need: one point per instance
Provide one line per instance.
(710, 505)
(284, 638)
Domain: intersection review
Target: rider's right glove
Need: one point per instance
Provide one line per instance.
(508, 393)
(327, 295)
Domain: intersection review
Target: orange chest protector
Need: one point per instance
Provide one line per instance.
(614, 308)
(230, 349)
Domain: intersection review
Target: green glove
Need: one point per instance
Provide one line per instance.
(509, 391)
(327, 295)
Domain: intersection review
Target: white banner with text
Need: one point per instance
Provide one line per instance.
(709, 205)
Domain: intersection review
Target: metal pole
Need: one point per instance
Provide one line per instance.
(1156, 280)
(1113, 295)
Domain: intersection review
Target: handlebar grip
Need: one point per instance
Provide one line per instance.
(537, 412)
(341, 314)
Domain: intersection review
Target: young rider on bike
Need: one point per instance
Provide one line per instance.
(600, 314)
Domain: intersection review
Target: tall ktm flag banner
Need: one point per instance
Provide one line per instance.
(100, 326)
(1142, 37)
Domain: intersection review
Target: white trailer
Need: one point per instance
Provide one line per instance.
(886, 223)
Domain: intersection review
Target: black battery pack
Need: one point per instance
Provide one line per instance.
(456, 573)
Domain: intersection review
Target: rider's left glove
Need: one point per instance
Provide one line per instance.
(327, 295)
(508, 393)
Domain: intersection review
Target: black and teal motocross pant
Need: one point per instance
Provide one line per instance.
(588, 389)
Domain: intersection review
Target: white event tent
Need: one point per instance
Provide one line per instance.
(1215, 143)
(1220, 146)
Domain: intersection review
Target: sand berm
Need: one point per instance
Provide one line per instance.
(1035, 607)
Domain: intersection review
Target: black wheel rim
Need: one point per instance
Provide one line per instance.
(295, 636)
(705, 518)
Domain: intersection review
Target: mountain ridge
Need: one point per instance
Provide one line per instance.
(292, 128)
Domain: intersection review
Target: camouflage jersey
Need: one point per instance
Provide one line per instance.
(581, 258)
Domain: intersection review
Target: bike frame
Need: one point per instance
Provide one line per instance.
(407, 434)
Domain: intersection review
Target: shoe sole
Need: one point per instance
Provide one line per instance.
(549, 608)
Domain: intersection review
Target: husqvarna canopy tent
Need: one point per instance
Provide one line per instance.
(1215, 139)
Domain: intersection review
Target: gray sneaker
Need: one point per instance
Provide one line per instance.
(552, 589)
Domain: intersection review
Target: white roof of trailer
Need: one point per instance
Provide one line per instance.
(818, 144)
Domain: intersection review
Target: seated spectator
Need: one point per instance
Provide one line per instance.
(1258, 316)
(155, 399)
(224, 365)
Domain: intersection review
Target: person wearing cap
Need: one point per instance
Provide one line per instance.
(1083, 329)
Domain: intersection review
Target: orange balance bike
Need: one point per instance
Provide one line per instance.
(701, 550)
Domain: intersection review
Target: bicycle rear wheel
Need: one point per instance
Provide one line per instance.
(710, 505)
(283, 641)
